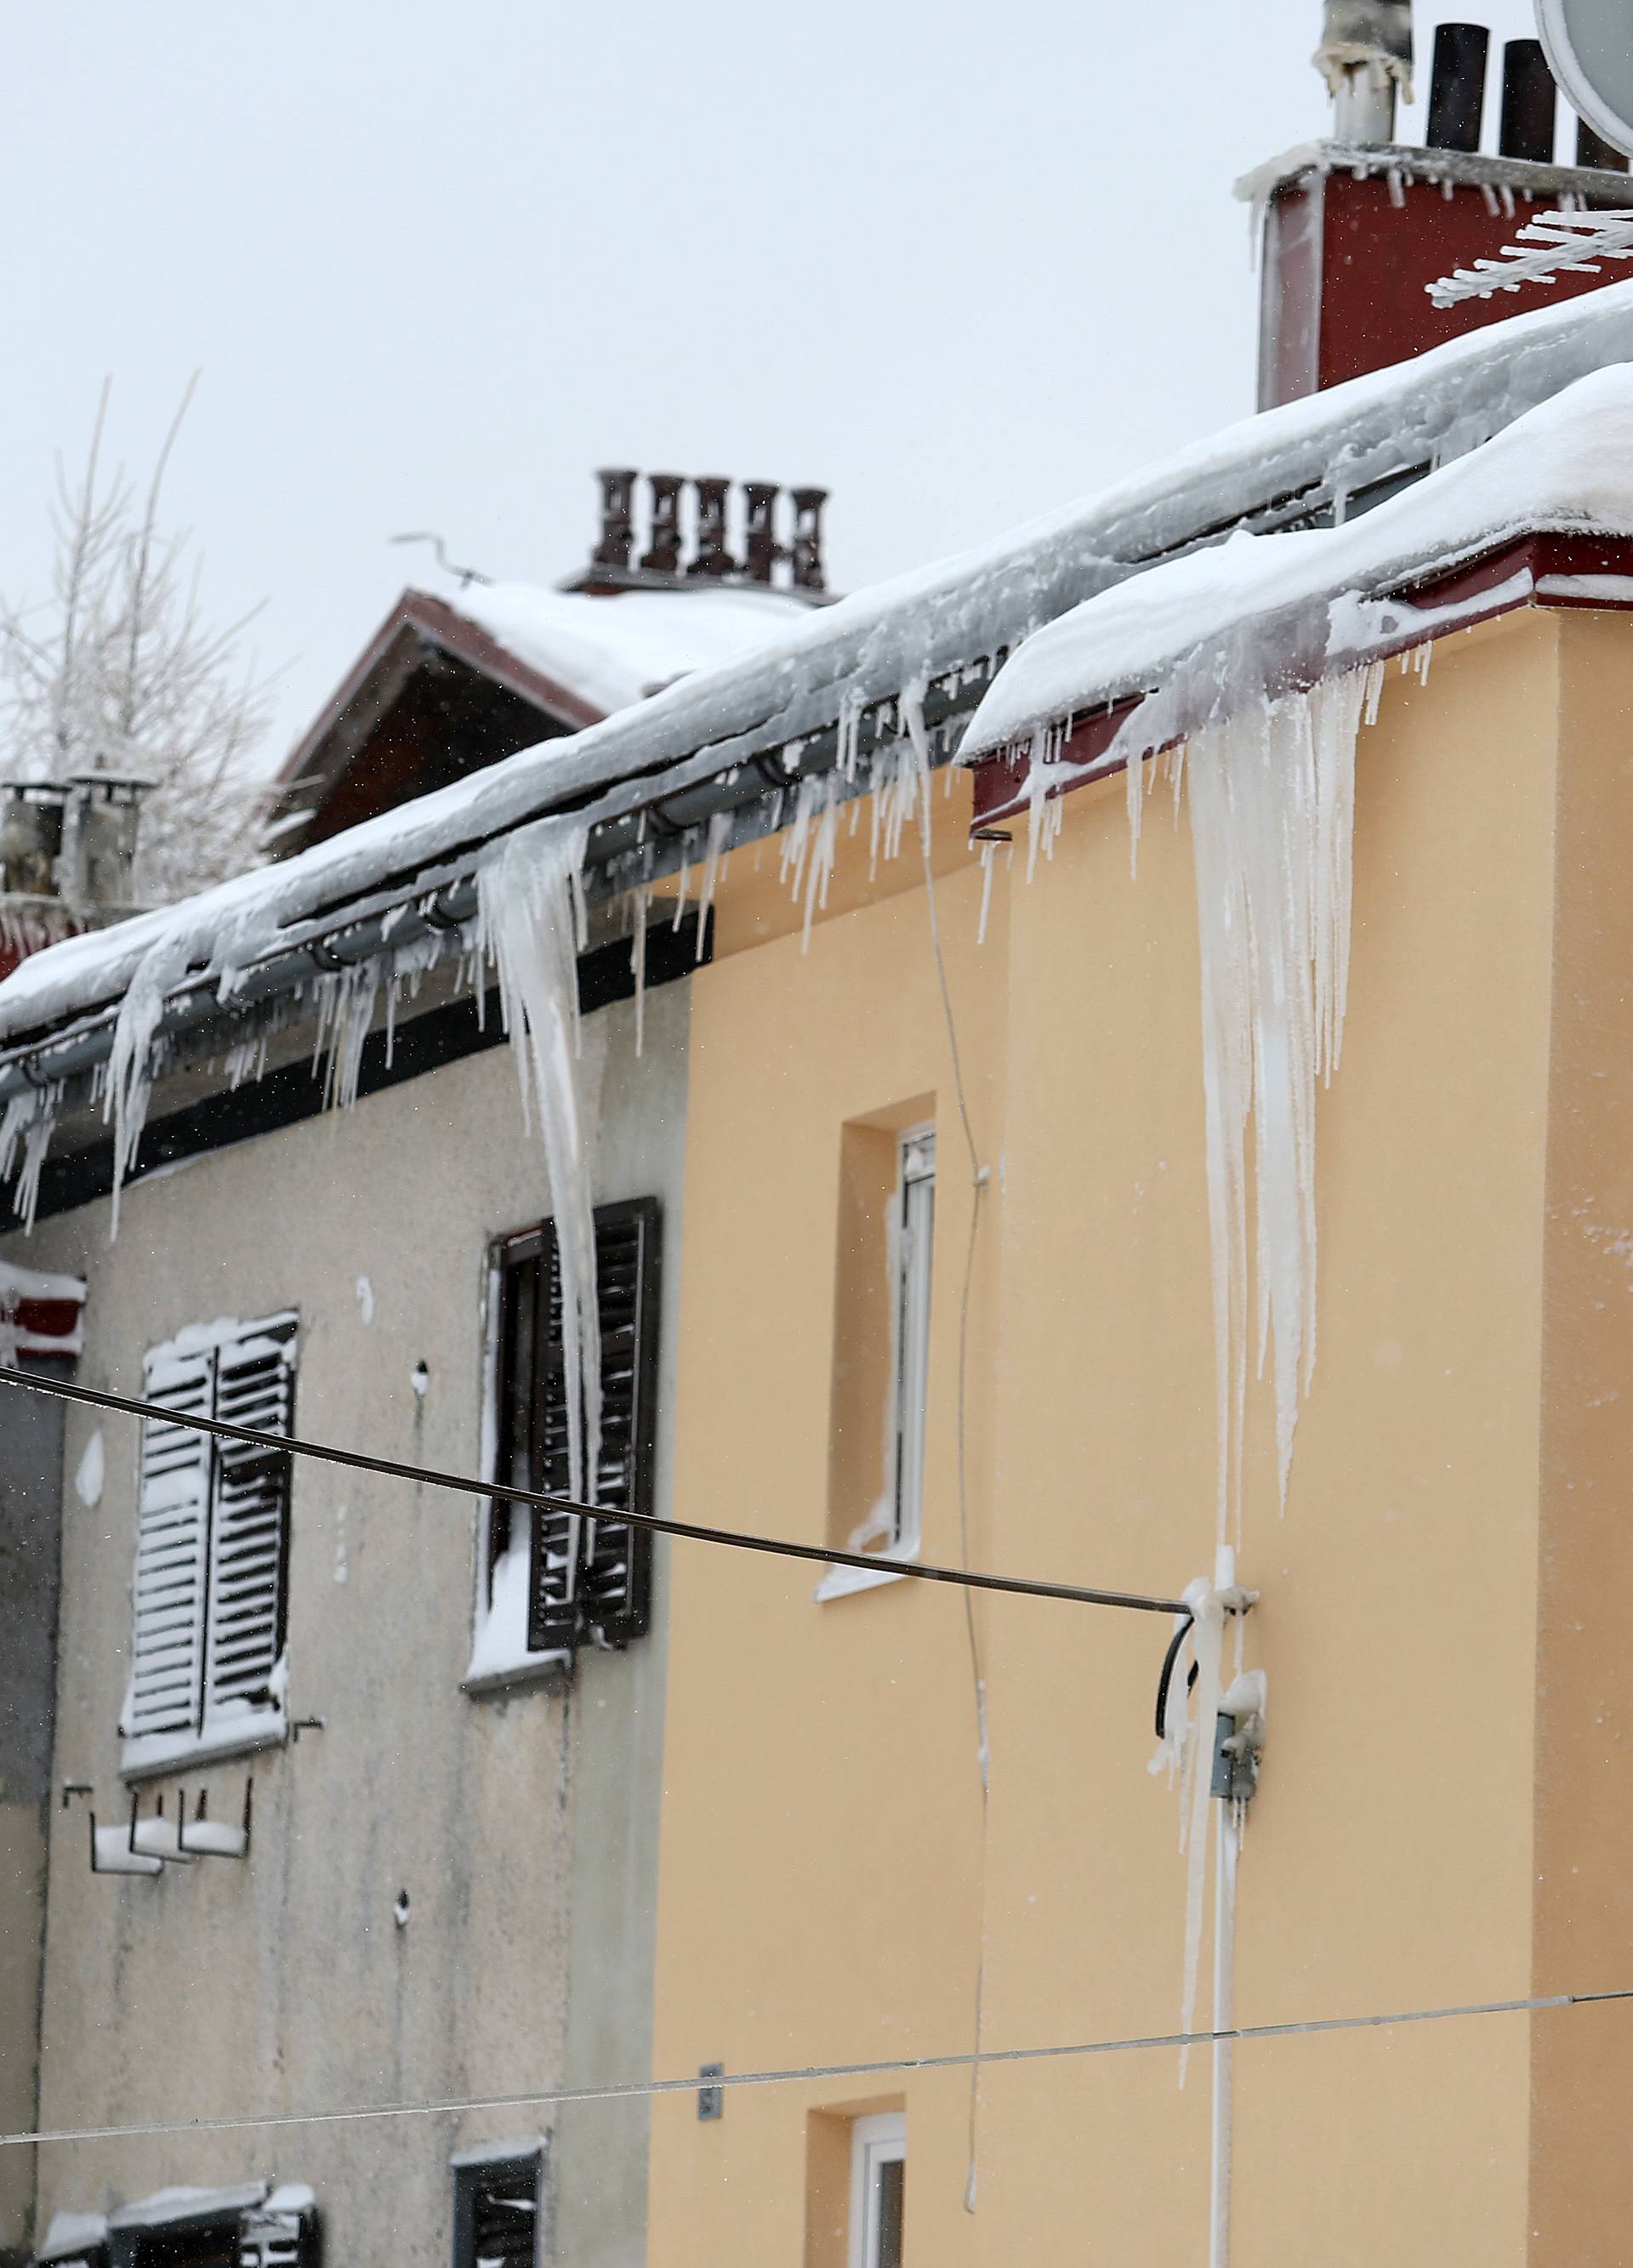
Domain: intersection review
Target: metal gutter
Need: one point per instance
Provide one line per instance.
(746, 738)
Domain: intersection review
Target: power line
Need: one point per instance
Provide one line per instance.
(549, 2097)
(871, 1564)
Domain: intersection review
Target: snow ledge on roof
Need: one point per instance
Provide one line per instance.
(1255, 616)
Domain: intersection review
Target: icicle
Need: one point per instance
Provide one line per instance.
(130, 1065)
(989, 851)
(1272, 798)
(345, 1018)
(530, 916)
(714, 853)
(685, 879)
(820, 865)
(26, 1126)
(637, 964)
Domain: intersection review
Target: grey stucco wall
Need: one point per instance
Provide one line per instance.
(30, 1464)
(523, 1827)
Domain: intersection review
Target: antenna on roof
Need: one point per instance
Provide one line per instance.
(466, 575)
(1565, 241)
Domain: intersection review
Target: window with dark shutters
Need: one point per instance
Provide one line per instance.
(497, 2208)
(587, 1579)
(213, 1538)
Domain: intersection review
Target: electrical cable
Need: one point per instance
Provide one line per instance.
(922, 1570)
(630, 2090)
(912, 712)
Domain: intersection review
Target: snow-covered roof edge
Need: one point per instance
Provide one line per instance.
(1201, 638)
(866, 648)
(1471, 169)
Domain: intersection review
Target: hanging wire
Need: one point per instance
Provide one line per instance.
(447, 2106)
(1016, 1586)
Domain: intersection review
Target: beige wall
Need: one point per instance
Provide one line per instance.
(522, 1828)
(1582, 2172)
(821, 1889)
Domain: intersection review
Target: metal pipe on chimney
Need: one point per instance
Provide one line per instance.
(1457, 86)
(617, 521)
(663, 557)
(760, 540)
(1527, 124)
(1364, 56)
(808, 563)
(1593, 150)
(712, 558)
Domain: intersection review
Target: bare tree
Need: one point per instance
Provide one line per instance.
(119, 672)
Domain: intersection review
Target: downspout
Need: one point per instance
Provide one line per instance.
(1238, 1739)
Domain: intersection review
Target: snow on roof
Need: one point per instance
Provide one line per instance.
(614, 650)
(1249, 617)
(869, 647)
(187, 2205)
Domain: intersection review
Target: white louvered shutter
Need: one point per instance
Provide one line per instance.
(173, 1548)
(250, 1526)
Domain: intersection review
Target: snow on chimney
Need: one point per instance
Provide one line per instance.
(787, 559)
(1355, 228)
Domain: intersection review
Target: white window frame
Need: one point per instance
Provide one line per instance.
(880, 2140)
(912, 1256)
(912, 1272)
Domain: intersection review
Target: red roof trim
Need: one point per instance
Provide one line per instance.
(1000, 780)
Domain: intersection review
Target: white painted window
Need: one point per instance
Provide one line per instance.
(207, 1659)
(915, 1227)
(878, 2189)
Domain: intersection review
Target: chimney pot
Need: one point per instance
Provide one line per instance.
(1527, 123)
(99, 850)
(617, 524)
(760, 546)
(1365, 54)
(808, 561)
(712, 560)
(1457, 86)
(1593, 150)
(663, 558)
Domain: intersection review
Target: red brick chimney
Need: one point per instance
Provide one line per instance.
(1355, 227)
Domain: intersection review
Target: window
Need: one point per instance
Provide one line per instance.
(207, 1660)
(551, 1581)
(497, 2208)
(224, 2229)
(914, 1235)
(878, 2190)
(881, 1344)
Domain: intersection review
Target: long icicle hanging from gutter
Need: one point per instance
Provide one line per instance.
(531, 925)
(1271, 798)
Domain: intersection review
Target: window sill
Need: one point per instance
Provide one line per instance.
(842, 1582)
(156, 1754)
(552, 1670)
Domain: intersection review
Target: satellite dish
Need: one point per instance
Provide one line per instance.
(1589, 45)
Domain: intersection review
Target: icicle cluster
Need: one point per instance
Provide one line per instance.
(1271, 795)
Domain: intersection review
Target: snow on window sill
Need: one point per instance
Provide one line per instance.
(493, 1680)
(841, 1582)
(152, 1754)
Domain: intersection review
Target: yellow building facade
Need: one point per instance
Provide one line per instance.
(1443, 1816)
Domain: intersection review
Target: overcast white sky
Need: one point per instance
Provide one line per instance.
(959, 263)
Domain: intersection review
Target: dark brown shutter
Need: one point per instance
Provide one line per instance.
(505, 2217)
(593, 1578)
